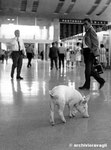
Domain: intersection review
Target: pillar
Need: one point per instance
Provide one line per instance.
(56, 29)
(109, 63)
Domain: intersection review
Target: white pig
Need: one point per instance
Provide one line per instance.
(64, 95)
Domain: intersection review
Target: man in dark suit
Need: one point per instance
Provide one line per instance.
(90, 52)
(53, 55)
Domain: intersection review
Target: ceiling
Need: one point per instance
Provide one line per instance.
(71, 9)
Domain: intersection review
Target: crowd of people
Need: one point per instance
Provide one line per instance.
(60, 55)
(89, 49)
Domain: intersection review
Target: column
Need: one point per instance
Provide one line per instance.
(0, 31)
(56, 29)
(17, 20)
(64, 31)
(109, 63)
(47, 27)
(0, 35)
(69, 30)
(44, 51)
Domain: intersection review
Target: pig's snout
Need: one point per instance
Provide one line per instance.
(86, 116)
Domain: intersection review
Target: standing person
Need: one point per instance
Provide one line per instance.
(67, 57)
(61, 55)
(2, 53)
(53, 55)
(18, 51)
(78, 53)
(6, 56)
(42, 55)
(72, 58)
(90, 51)
(30, 54)
(103, 59)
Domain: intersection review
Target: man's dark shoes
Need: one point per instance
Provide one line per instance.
(101, 84)
(84, 88)
(11, 76)
(19, 78)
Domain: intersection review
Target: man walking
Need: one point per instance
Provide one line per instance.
(90, 51)
(61, 55)
(53, 55)
(18, 50)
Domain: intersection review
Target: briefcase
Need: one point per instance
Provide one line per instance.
(98, 67)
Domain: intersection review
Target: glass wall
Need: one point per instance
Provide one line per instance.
(27, 32)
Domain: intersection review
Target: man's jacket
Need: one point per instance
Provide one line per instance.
(91, 40)
(53, 52)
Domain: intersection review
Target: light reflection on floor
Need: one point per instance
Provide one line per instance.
(24, 109)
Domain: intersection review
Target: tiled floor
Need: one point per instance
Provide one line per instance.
(24, 111)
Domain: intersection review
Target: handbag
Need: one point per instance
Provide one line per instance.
(98, 67)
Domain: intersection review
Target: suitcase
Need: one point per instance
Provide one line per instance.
(98, 67)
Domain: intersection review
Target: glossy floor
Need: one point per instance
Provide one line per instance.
(24, 110)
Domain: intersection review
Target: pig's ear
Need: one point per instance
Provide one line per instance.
(81, 102)
(84, 102)
(87, 98)
(83, 95)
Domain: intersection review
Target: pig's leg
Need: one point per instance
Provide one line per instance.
(72, 110)
(52, 113)
(60, 111)
(85, 114)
